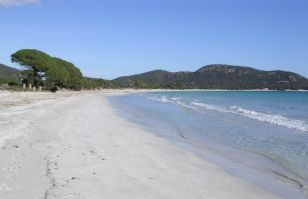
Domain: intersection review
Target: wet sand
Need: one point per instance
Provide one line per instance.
(74, 145)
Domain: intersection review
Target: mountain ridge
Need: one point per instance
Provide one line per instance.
(213, 76)
(7, 70)
(9, 75)
(217, 76)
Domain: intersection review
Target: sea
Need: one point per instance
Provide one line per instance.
(259, 136)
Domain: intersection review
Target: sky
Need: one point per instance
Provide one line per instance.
(112, 38)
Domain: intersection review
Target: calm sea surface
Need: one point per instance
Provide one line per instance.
(259, 136)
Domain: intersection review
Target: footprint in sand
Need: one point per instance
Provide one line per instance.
(4, 187)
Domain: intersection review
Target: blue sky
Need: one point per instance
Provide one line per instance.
(119, 37)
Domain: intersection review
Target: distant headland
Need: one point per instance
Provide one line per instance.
(41, 69)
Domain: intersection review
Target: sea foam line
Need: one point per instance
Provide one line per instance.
(275, 119)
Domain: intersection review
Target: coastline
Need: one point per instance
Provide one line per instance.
(74, 145)
(254, 167)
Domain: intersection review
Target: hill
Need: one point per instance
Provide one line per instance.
(9, 74)
(217, 76)
(8, 71)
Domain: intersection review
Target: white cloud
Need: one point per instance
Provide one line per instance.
(8, 3)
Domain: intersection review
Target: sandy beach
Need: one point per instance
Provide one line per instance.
(74, 145)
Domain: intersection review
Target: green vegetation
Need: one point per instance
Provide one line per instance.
(69, 76)
(93, 83)
(8, 75)
(216, 77)
(41, 69)
(33, 60)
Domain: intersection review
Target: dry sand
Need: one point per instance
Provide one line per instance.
(74, 145)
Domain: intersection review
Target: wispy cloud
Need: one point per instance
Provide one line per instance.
(8, 3)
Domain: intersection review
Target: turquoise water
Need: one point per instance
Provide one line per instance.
(265, 134)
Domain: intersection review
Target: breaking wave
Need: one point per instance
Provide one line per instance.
(275, 119)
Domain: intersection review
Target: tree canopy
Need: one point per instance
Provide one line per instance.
(42, 69)
(74, 78)
(36, 61)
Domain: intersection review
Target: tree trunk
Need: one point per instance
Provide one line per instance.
(35, 78)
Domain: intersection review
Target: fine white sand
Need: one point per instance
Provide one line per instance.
(74, 145)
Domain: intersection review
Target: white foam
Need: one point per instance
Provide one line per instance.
(209, 106)
(163, 99)
(275, 119)
(174, 100)
(264, 117)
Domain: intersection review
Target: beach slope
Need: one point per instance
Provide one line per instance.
(76, 146)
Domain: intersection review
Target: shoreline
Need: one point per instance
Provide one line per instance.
(76, 146)
(135, 90)
(252, 167)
